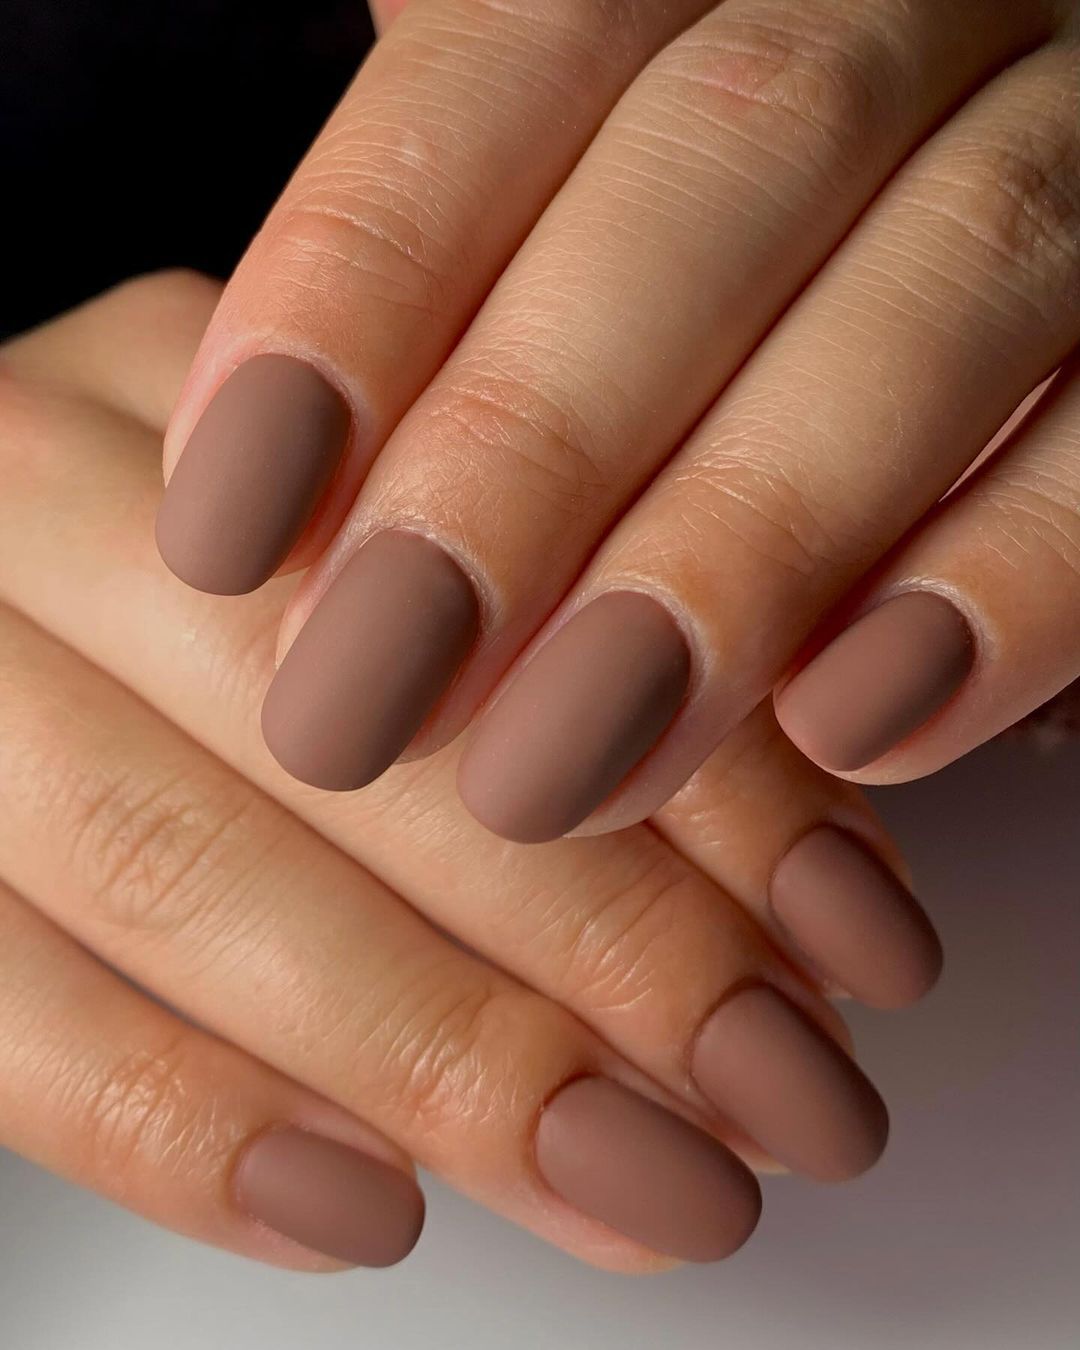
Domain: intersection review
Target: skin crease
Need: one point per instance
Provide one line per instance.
(149, 801)
(528, 446)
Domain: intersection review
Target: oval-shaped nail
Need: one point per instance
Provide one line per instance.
(376, 654)
(854, 919)
(878, 682)
(329, 1197)
(251, 475)
(580, 715)
(772, 1071)
(651, 1176)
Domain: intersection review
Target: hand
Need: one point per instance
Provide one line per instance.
(877, 203)
(586, 1037)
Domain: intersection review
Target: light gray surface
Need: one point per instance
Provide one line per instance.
(967, 1237)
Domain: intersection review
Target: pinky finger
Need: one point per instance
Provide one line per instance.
(108, 1089)
(974, 623)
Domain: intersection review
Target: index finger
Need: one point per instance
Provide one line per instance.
(458, 129)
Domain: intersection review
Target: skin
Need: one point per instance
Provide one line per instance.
(144, 820)
(931, 150)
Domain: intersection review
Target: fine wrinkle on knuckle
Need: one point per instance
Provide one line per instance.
(821, 95)
(366, 223)
(510, 432)
(611, 952)
(451, 1058)
(136, 1113)
(742, 493)
(1016, 197)
(161, 858)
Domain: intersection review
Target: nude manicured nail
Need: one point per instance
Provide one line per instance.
(251, 475)
(850, 914)
(330, 1198)
(376, 654)
(644, 1172)
(588, 706)
(776, 1074)
(879, 681)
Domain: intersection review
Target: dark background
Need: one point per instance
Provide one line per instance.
(148, 133)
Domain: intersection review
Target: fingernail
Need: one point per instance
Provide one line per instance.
(591, 703)
(854, 920)
(330, 1198)
(644, 1172)
(772, 1071)
(879, 681)
(253, 471)
(378, 651)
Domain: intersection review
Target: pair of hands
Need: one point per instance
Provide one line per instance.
(651, 1009)
(594, 1038)
(610, 362)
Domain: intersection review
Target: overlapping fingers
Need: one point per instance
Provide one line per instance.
(111, 1090)
(624, 932)
(728, 172)
(187, 878)
(952, 299)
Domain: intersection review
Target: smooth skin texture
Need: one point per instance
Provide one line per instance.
(143, 816)
(876, 203)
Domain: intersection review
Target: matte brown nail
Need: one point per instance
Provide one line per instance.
(644, 1172)
(330, 1198)
(772, 1071)
(251, 475)
(879, 681)
(591, 703)
(376, 654)
(855, 921)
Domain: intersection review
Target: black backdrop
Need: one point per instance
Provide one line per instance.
(149, 133)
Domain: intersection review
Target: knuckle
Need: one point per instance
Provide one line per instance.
(819, 92)
(139, 1110)
(457, 1056)
(363, 228)
(518, 433)
(615, 953)
(738, 495)
(1014, 191)
(162, 857)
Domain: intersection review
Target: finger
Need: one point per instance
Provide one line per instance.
(719, 184)
(948, 304)
(449, 144)
(178, 872)
(128, 348)
(384, 12)
(622, 931)
(1001, 561)
(814, 867)
(110, 1090)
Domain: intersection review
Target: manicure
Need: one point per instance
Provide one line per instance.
(330, 1198)
(251, 475)
(772, 1071)
(581, 714)
(645, 1173)
(378, 651)
(851, 916)
(879, 681)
